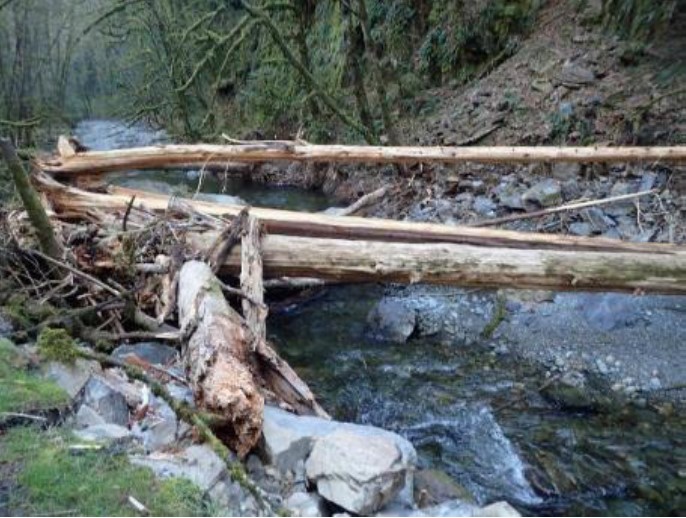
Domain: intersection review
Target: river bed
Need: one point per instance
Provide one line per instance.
(472, 407)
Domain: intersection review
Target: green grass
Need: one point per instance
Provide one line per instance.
(21, 391)
(50, 480)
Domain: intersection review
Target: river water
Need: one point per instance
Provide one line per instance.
(472, 412)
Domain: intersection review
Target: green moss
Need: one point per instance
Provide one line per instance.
(499, 314)
(21, 391)
(57, 345)
(49, 480)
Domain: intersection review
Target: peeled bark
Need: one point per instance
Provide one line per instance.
(218, 357)
(173, 156)
(463, 265)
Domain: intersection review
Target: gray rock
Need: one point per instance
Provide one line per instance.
(392, 321)
(288, 440)
(71, 378)
(432, 486)
(461, 508)
(581, 228)
(305, 504)
(597, 218)
(484, 206)
(107, 402)
(575, 74)
(180, 393)
(359, 473)
(198, 463)
(103, 433)
(510, 196)
(232, 499)
(566, 171)
(545, 193)
(159, 427)
(151, 352)
(86, 417)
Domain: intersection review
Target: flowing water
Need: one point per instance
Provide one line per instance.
(474, 414)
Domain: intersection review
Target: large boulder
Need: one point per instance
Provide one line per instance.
(360, 473)
(359, 468)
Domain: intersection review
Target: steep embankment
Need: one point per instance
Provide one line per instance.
(571, 82)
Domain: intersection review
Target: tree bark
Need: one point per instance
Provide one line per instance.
(173, 156)
(34, 208)
(464, 265)
(254, 309)
(218, 357)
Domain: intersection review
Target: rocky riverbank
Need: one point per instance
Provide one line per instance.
(303, 466)
(594, 347)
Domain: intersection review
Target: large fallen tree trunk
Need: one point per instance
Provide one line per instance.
(173, 156)
(229, 366)
(73, 203)
(218, 357)
(463, 265)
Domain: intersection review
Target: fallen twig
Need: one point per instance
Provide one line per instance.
(561, 208)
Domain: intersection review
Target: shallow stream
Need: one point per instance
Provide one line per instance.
(471, 411)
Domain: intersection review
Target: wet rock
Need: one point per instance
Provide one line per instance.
(159, 427)
(105, 401)
(497, 509)
(151, 352)
(359, 473)
(545, 193)
(392, 321)
(71, 378)
(432, 486)
(573, 391)
(305, 504)
(86, 417)
(198, 463)
(103, 433)
(478, 454)
(648, 181)
(566, 171)
(484, 206)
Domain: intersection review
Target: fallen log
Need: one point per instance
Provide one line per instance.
(173, 156)
(229, 367)
(73, 203)
(217, 357)
(463, 265)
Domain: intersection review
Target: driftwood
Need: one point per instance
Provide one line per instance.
(464, 265)
(364, 202)
(173, 156)
(218, 358)
(70, 202)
